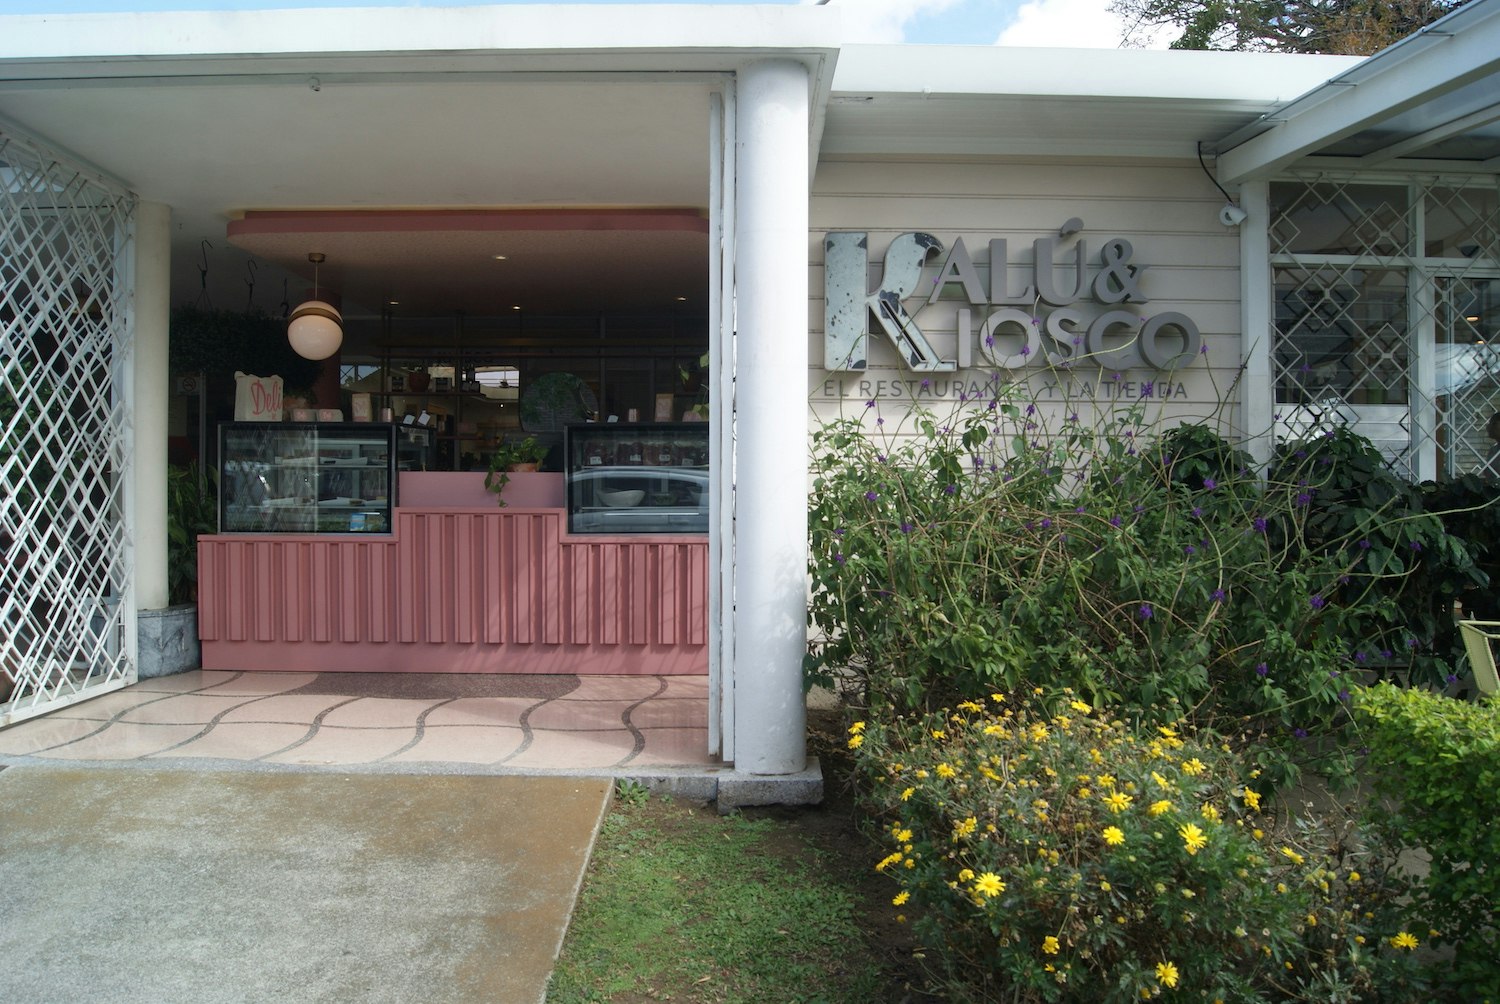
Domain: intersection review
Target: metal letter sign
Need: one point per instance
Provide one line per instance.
(846, 331)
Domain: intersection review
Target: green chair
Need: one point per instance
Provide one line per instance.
(1477, 638)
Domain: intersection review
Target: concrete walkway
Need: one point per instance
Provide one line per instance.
(170, 885)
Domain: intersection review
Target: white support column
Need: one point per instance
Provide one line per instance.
(771, 227)
(150, 387)
(1257, 389)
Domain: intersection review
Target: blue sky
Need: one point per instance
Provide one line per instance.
(972, 22)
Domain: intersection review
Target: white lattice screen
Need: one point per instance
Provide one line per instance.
(1387, 307)
(65, 595)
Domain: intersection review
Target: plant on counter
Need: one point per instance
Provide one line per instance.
(512, 456)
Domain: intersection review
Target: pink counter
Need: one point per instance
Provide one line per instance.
(456, 589)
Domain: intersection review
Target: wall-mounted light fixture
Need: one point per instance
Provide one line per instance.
(316, 329)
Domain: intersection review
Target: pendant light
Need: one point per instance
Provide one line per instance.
(315, 330)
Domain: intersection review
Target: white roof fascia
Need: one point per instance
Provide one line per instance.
(542, 29)
(1110, 73)
(1447, 54)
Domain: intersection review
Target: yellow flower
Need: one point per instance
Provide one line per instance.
(1292, 855)
(1105, 886)
(857, 728)
(943, 770)
(1193, 767)
(965, 828)
(887, 861)
(1166, 974)
(1113, 836)
(1050, 945)
(901, 898)
(1105, 781)
(1404, 940)
(1354, 876)
(1163, 782)
(1252, 799)
(1157, 808)
(970, 706)
(855, 741)
(1209, 812)
(1117, 802)
(965, 875)
(907, 794)
(902, 835)
(997, 698)
(1080, 707)
(939, 734)
(989, 884)
(1192, 838)
(1084, 792)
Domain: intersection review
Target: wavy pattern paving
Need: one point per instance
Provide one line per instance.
(500, 723)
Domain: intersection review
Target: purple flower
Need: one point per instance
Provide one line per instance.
(1190, 549)
(1029, 525)
(1304, 498)
(950, 489)
(1260, 524)
(1210, 484)
(1364, 545)
(880, 457)
(1203, 350)
(1344, 694)
(907, 528)
(1386, 653)
(838, 559)
(1219, 595)
(1197, 512)
(871, 496)
(1360, 657)
(1147, 387)
(1047, 524)
(1316, 601)
(1115, 521)
(1031, 409)
(926, 384)
(1451, 678)
(1026, 349)
(1411, 643)
(1145, 612)
(1300, 733)
(880, 421)
(1080, 510)
(839, 532)
(1416, 545)
(1262, 669)
(870, 403)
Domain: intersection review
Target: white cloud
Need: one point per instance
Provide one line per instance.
(1083, 24)
(885, 20)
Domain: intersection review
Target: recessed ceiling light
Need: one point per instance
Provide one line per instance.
(393, 303)
(498, 257)
(516, 307)
(682, 299)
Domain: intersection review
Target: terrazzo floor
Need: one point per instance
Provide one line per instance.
(385, 721)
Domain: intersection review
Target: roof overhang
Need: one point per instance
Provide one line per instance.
(1431, 102)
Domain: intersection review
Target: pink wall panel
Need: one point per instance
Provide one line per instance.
(456, 590)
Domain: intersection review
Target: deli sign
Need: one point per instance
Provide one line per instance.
(1047, 314)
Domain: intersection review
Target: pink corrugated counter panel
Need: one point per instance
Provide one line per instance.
(456, 591)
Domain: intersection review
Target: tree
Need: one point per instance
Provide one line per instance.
(1344, 27)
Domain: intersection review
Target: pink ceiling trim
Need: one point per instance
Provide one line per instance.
(343, 221)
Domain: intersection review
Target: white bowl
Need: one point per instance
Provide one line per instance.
(622, 499)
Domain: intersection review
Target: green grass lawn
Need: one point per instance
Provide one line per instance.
(683, 904)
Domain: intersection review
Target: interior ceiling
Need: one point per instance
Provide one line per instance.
(358, 142)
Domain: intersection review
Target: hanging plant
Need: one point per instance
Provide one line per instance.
(218, 342)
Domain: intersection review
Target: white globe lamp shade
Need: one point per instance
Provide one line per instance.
(315, 330)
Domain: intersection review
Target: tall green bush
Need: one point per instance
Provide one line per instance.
(1150, 569)
(1436, 761)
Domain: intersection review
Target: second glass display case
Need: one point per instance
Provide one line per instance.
(289, 477)
(637, 478)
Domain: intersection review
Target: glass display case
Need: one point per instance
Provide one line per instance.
(295, 477)
(637, 478)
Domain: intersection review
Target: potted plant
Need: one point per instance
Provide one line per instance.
(512, 457)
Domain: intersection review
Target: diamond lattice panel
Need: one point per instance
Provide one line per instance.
(1386, 318)
(64, 581)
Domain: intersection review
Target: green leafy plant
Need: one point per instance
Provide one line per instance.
(1436, 761)
(192, 509)
(981, 551)
(218, 342)
(1047, 852)
(510, 456)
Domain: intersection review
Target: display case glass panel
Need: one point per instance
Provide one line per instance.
(306, 478)
(637, 478)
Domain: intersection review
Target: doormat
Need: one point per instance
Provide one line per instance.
(439, 686)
